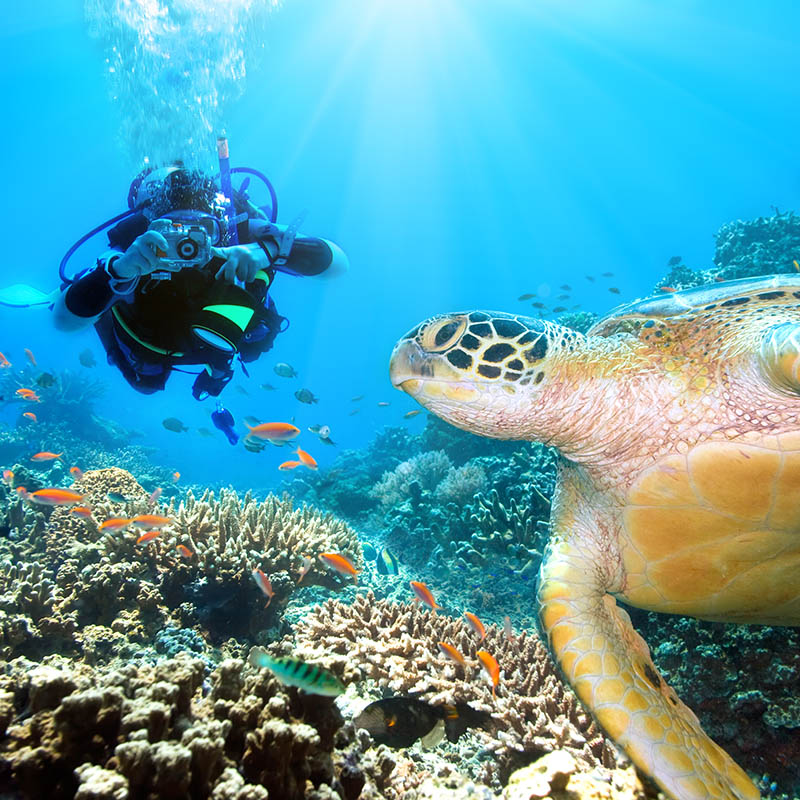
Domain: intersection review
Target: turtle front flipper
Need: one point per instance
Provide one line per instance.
(609, 666)
(780, 355)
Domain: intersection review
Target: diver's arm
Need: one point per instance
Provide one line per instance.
(309, 256)
(115, 276)
(89, 296)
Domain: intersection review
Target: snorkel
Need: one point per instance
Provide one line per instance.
(227, 190)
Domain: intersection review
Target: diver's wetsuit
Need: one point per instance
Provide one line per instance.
(148, 331)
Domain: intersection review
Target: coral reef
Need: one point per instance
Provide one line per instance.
(742, 682)
(168, 731)
(762, 246)
(345, 488)
(421, 473)
(68, 586)
(556, 777)
(460, 446)
(744, 249)
(579, 321)
(396, 645)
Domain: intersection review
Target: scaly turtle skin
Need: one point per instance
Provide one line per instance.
(678, 422)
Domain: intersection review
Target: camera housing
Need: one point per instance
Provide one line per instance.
(188, 245)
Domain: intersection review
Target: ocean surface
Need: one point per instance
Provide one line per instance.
(463, 154)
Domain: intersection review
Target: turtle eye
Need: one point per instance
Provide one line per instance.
(444, 333)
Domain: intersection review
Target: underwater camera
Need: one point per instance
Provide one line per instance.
(188, 245)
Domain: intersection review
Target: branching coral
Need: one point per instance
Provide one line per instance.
(397, 646)
(111, 591)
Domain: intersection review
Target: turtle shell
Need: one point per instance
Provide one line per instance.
(749, 293)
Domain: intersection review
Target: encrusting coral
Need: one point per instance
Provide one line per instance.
(396, 645)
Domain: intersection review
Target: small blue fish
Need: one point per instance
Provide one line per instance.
(117, 497)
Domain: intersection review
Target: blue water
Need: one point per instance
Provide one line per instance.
(462, 153)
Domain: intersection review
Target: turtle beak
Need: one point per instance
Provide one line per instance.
(408, 365)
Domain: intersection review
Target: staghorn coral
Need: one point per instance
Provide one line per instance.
(396, 645)
(166, 731)
(231, 536)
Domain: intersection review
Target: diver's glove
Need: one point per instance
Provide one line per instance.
(141, 258)
(242, 262)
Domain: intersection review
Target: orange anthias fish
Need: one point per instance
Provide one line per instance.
(148, 537)
(306, 458)
(475, 624)
(667, 289)
(287, 465)
(25, 392)
(115, 524)
(22, 492)
(55, 497)
(507, 629)
(184, 550)
(151, 521)
(76, 472)
(8, 477)
(340, 563)
(32, 398)
(153, 499)
(412, 413)
(30, 357)
(84, 512)
(45, 455)
(273, 431)
(30, 415)
(263, 583)
(424, 595)
(4, 362)
(176, 476)
(451, 652)
(490, 667)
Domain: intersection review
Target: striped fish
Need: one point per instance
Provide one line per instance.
(293, 672)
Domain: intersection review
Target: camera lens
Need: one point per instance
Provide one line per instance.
(187, 249)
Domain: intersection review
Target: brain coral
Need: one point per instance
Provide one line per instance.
(397, 646)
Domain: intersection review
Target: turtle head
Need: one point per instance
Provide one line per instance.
(483, 371)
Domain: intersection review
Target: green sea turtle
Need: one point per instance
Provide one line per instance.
(678, 422)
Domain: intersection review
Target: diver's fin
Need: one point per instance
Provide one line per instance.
(20, 295)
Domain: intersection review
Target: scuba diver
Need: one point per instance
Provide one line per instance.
(187, 278)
